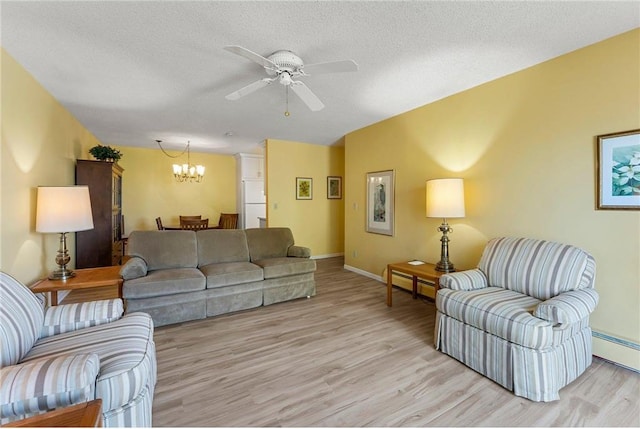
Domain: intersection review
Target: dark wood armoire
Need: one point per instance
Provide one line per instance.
(102, 245)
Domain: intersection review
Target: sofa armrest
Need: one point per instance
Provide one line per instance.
(71, 317)
(299, 252)
(568, 307)
(134, 268)
(47, 383)
(464, 280)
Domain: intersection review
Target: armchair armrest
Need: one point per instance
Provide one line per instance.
(134, 268)
(464, 280)
(568, 307)
(71, 317)
(47, 383)
(299, 252)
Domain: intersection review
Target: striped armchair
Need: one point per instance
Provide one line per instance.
(68, 354)
(522, 317)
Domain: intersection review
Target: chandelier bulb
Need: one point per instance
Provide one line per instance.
(286, 113)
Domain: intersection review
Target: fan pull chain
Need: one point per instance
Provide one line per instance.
(286, 112)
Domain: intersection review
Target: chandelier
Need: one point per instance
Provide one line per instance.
(185, 172)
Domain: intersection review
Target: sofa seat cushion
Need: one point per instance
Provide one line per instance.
(283, 267)
(231, 273)
(501, 312)
(164, 282)
(126, 351)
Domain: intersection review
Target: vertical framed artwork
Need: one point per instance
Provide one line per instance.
(380, 202)
(304, 188)
(618, 170)
(334, 187)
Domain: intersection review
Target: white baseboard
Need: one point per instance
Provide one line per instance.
(364, 273)
(328, 255)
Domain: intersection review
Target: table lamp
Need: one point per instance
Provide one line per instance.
(63, 209)
(445, 199)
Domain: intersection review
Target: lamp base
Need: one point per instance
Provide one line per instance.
(445, 267)
(445, 264)
(61, 274)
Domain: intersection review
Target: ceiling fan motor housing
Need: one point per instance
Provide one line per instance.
(285, 60)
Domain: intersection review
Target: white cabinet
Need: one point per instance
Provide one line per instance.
(250, 166)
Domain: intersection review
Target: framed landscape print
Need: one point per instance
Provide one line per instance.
(380, 202)
(304, 188)
(334, 187)
(618, 165)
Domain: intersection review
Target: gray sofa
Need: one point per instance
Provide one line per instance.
(177, 276)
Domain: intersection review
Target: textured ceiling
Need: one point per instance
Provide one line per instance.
(133, 72)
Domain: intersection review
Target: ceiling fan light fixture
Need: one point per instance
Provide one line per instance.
(285, 78)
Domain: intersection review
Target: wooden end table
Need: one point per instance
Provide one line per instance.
(85, 278)
(424, 271)
(87, 414)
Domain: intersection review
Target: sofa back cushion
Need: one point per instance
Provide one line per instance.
(222, 245)
(538, 268)
(165, 249)
(21, 319)
(267, 243)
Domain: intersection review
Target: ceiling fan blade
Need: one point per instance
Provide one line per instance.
(250, 55)
(331, 67)
(249, 89)
(305, 94)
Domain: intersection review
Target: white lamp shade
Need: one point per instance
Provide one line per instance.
(63, 209)
(445, 198)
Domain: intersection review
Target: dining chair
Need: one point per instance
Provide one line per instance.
(194, 224)
(198, 217)
(228, 221)
(159, 223)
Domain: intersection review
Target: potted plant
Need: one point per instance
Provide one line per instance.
(105, 153)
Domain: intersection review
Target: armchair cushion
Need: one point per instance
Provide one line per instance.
(568, 307)
(299, 252)
(70, 317)
(134, 268)
(500, 312)
(126, 351)
(464, 280)
(537, 268)
(21, 318)
(48, 383)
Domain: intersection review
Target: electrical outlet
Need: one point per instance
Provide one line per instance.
(355, 253)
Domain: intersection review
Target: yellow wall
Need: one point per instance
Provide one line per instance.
(149, 189)
(316, 223)
(41, 141)
(525, 145)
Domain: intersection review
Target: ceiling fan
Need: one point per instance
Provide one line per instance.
(285, 66)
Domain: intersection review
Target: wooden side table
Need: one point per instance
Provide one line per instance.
(424, 271)
(85, 278)
(87, 414)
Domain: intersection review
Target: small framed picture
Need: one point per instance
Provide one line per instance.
(380, 202)
(334, 187)
(304, 188)
(618, 165)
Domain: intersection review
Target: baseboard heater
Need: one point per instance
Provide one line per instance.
(619, 342)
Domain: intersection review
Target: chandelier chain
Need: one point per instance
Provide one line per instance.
(172, 156)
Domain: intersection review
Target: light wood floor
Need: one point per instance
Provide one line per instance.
(343, 358)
